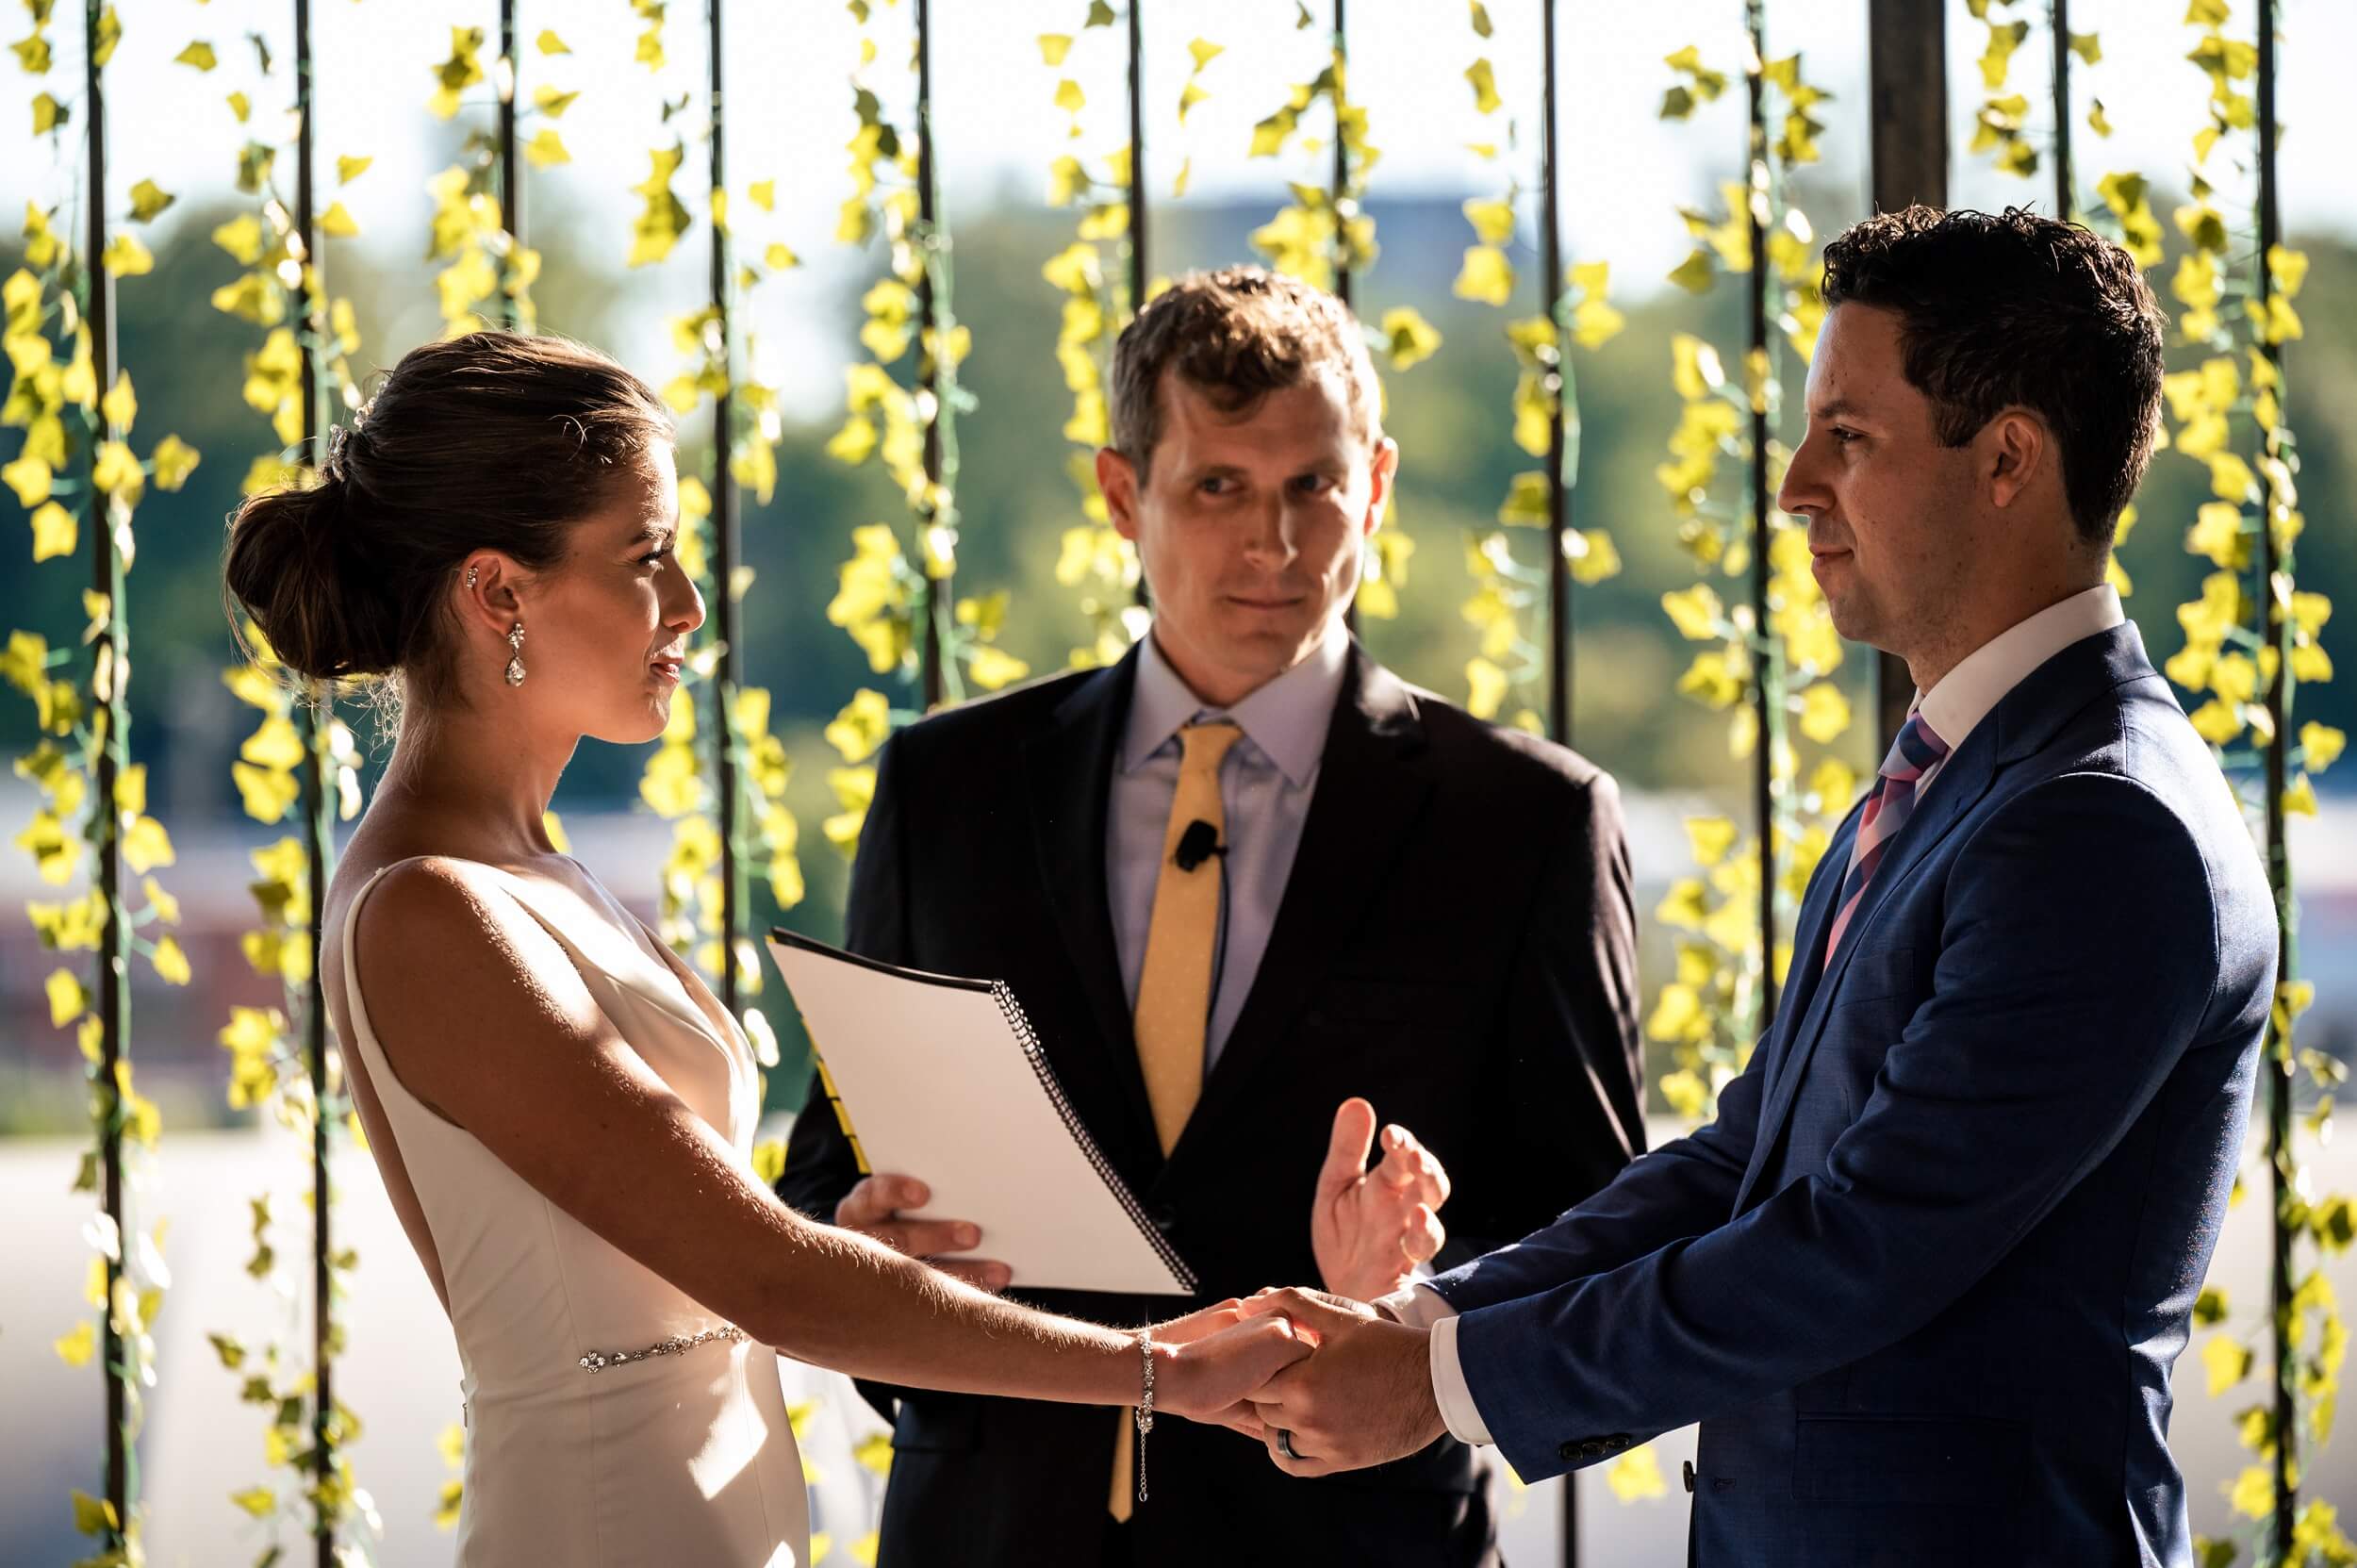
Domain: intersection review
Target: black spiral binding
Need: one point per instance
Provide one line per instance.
(1096, 1157)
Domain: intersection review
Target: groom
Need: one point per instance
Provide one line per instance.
(1923, 1280)
(1241, 878)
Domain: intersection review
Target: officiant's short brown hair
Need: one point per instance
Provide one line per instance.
(1235, 335)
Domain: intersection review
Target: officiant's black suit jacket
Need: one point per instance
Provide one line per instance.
(1456, 942)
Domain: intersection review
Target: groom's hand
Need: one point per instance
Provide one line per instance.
(1370, 1228)
(873, 1208)
(1365, 1397)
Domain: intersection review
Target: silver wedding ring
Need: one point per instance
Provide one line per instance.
(1285, 1444)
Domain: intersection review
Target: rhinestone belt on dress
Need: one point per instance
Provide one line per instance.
(598, 1360)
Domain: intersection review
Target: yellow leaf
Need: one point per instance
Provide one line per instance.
(173, 461)
(1485, 276)
(1485, 87)
(29, 477)
(548, 44)
(993, 668)
(167, 908)
(240, 105)
(547, 149)
(1053, 47)
(48, 114)
(1593, 557)
(1824, 712)
(1070, 97)
(117, 471)
(1485, 686)
(268, 795)
(146, 846)
(2320, 746)
(1712, 838)
(199, 55)
(259, 1501)
(2253, 1492)
(1204, 51)
(1695, 612)
(172, 964)
(1637, 1474)
(75, 1349)
(124, 257)
(120, 405)
(55, 532)
(1693, 274)
(241, 236)
(66, 998)
(2225, 1362)
(337, 222)
(1492, 221)
(350, 168)
(148, 199)
(1413, 339)
(778, 258)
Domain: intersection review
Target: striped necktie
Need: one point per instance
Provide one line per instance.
(1917, 751)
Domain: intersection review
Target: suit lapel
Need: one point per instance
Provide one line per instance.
(1371, 787)
(2021, 723)
(1070, 773)
(1955, 792)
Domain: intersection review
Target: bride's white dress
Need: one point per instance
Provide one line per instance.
(680, 1458)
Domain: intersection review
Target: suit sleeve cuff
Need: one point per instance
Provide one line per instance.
(1448, 1386)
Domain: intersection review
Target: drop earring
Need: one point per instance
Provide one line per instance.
(515, 654)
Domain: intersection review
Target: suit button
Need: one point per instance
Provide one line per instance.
(1568, 1452)
(1689, 1474)
(1617, 1442)
(1165, 1218)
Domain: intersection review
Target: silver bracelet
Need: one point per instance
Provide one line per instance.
(1144, 1411)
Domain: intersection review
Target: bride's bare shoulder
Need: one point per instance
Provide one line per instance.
(451, 920)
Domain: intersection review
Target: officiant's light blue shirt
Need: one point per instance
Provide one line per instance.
(1265, 783)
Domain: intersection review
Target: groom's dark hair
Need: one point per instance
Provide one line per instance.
(2018, 311)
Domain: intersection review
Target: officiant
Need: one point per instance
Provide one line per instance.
(1255, 892)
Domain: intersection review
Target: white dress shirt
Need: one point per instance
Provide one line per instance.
(1952, 709)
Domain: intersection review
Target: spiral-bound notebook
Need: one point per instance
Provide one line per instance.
(942, 1078)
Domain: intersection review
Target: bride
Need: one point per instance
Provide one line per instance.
(561, 1110)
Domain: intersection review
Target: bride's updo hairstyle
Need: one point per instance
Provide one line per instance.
(490, 442)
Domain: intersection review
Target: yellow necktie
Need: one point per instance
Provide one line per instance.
(1174, 985)
(1174, 1008)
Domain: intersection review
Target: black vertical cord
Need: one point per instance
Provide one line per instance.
(2066, 196)
(1138, 273)
(1137, 158)
(938, 590)
(2277, 702)
(726, 547)
(511, 175)
(317, 819)
(1558, 494)
(111, 660)
(1342, 157)
(1764, 692)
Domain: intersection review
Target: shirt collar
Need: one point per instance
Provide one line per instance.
(1287, 719)
(1965, 695)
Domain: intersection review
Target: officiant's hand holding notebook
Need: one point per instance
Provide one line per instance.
(942, 1078)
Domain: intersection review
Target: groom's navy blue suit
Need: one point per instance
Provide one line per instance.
(1922, 1280)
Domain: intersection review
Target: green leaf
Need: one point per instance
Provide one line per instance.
(1480, 20)
(2209, 1308)
(1100, 14)
(1527, 501)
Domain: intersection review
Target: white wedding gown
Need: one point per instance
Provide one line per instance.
(681, 1458)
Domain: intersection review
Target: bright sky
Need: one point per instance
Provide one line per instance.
(999, 129)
